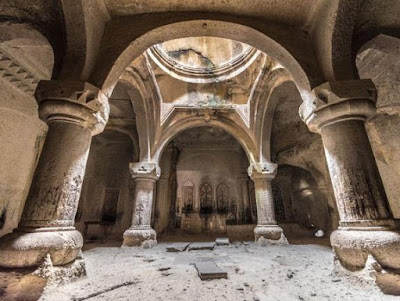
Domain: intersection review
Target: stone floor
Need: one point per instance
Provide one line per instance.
(292, 272)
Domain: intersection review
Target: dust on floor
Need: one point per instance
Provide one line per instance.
(283, 272)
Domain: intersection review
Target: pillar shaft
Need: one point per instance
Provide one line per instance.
(357, 185)
(267, 228)
(140, 233)
(264, 201)
(54, 194)
(144, 194)
(338, 114)
(74, 111)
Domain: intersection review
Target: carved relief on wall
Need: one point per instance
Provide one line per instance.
(206, 198)
(222, 198)
(188, 196)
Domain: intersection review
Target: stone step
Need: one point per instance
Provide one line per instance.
(209, 270)
(222, 241)
(202, 246)
(178, 247)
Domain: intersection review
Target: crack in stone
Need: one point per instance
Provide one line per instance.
(114, 287)
(177, 53)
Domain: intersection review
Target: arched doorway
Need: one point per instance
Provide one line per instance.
(208, 168)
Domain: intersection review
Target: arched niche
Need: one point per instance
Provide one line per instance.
(206, 198)
(209, 165)
(223, 200)
(105, 204)
(188, 190)
(303, 202)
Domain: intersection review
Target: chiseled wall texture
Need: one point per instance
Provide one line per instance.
(379, 62)
(108, 167)
(22, 134)
(214, 167)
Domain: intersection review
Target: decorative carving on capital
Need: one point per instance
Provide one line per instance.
(265, 170)
(145, 170)
(73, 101)
(337, 101)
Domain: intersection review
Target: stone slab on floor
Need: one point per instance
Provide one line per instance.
(223, 241)
(178, 247)
(202, 246)
(208, 270)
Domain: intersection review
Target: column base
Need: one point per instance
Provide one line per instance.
(30, 283)
(145, 238)
(372, 274)
(29, 249)
(352, 247)
(265, 234)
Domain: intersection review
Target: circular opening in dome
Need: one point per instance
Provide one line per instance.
(203, 52)
(203, 59)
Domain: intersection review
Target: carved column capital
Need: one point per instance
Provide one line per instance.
(73, 101)
(266, 170)
(146, 170)
(338, 101)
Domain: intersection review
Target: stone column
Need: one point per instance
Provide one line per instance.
(74, 111)
(267, 227)
(244, 201)
(140, 232)
(366, 224)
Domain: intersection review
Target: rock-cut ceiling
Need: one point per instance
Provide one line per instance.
(205, 73)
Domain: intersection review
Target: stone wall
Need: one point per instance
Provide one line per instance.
(304, 203)
(201, 172)
(25, 58)
(105, 207)
(378, 60)
(22, 134)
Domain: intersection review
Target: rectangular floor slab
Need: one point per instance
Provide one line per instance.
(178, 247)
(222, 241)
(202, 246)
(209, 270)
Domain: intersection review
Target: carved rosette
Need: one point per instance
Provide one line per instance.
(74, 102)
(145, 170)
(338, 101)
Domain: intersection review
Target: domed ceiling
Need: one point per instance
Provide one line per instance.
(205, 53)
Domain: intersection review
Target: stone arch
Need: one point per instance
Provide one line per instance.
(197, 121)
(143, 103)
(280, 86)
(134, 44)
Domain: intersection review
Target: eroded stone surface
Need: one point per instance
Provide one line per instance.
(250, 85)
